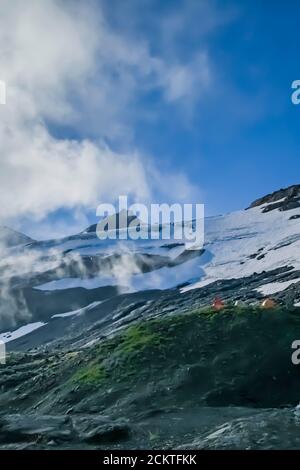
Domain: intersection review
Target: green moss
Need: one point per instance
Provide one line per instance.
(141, 349)
(91, 375)
(137, 338)
(117, 359)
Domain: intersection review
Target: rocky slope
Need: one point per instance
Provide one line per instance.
(159, 383)
(114, 344)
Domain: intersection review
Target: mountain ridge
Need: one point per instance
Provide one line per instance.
(283, 199)
(118, 344)
(239, 248)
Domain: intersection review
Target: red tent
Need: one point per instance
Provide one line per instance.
(218, 304)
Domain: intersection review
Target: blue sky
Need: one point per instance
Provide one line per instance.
(166, 100)
(242, 139)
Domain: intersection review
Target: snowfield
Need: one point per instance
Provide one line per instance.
(246, 242)
(60, 278)
(236, 245)
(273, 287)
(22, 331)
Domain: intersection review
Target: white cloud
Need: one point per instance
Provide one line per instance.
(64, 65)
(188, 80)
(41, 174)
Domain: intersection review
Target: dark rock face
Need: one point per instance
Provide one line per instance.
(98, 429)
(283, 199)
(9, 237)
(24, 428)
(272, 429)
(30, 428)
(117, 222)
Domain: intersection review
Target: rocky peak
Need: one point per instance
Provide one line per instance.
(121, 220)
(9, 237)
(284, 199)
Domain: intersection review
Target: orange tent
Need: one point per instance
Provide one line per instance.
(268, 303)
(218, 304)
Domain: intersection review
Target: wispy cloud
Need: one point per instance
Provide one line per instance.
(66, 66)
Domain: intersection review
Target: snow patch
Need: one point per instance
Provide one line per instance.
(22, 331)
(273, 287)
(79, 311)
